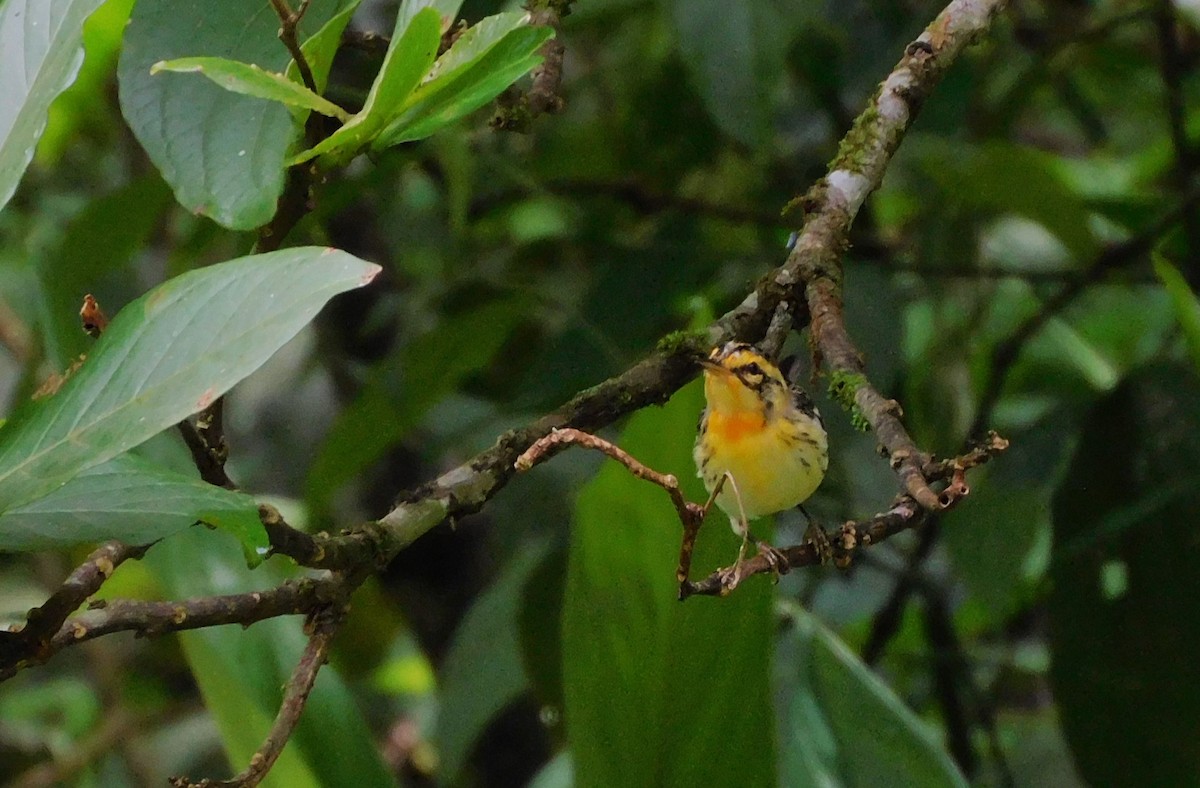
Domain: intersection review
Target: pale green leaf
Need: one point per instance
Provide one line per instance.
(408, 58)
(165, 356)
(130, 499)
(40, 55)
(248, 79)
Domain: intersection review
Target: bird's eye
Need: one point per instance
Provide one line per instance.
(754, 369)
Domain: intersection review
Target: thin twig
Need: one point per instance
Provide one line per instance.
(325, 624)
(544, 96)
(150, 619)
(845, 541)
(15, 336)
(33, 642)
(515, 111)
(289, 22)
(950, 672)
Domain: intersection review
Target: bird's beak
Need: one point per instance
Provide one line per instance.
(711, 366)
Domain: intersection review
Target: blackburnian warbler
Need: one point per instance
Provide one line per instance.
(763, 435)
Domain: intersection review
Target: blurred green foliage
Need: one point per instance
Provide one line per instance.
(539, 640)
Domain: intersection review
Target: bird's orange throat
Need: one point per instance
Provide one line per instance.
(733, 426)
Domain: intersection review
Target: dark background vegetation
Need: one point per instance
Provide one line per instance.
(1045, 630)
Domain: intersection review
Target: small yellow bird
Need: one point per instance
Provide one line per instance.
(763, 435)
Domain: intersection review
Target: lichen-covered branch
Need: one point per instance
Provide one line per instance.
(33, 642)
(146, 619)
(810, 276)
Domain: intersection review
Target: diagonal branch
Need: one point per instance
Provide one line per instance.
(33, 643)
(810, 276)
(325, 623)
(845, 541)
(148, 619)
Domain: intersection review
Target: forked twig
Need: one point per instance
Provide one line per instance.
(325, 623)
(845, 541)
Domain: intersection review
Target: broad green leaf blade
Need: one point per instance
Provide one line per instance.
(1124, 598)
(431, 366)
(84, 106)
(483, 62)
(40, 55)
(483, 672)
(1187, 306)
(447, 10)
(321, 48)
(660, 692)
(407, 60)
(222, 153)
(248, 79)
(849, 726)
(241, 672)
(165, 356)
(735, 54)
(130, 499)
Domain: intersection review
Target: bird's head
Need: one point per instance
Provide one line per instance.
(739, 379)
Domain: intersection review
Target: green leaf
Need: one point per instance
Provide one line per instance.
(447, 10)
(85, 106)
(130, 499)
(842, 725)
(319, 50)
(1187, 306)
(659, 692)
(485, 60)
(241, 672)
(1124, 599)
(408, 58)
(39, 57)
(483, 671)
(432, 366)
(222, 153)
(166, 356)
(248, 79)
(735, 54)
(999, 178)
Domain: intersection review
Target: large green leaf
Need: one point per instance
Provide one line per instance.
(166, 356)
(222, 153)
(482, 62)
(1125, 598)
(660, 692)
(483, 672)
(247, 79)
(735, 53)
(408, 58)
(842, 725)
(447, 10)
(241, 673)
(319, 50)
(39, 57)
(130, 499)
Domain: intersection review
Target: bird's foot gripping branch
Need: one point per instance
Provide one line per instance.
(947, 476)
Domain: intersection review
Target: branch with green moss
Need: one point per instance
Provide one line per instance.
(809, 280)
(810, 277)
